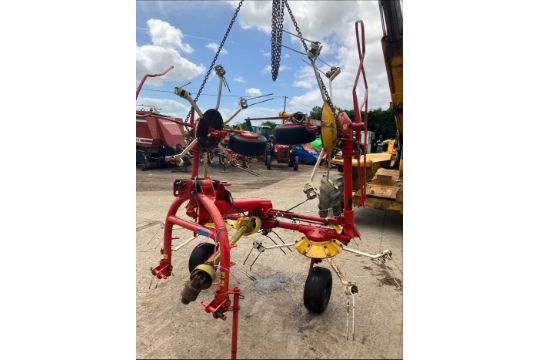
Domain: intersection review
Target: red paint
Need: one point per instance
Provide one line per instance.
(215, 205)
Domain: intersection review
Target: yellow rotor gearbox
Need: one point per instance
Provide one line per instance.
(318, 249)
(328, 129)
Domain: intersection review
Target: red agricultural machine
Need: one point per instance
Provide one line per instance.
(281, 145)
(158, 135)
(210, 207)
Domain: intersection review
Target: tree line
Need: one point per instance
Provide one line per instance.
(380, 121)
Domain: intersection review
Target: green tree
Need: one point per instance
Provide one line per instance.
(271, 124)
(315, 113)
(380, 121)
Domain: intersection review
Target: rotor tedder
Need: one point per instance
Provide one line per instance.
(211, 210)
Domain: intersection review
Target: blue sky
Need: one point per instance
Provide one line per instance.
(183, 32)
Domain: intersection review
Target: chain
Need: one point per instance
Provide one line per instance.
(217, 54)
(277, 35)
(326, 96)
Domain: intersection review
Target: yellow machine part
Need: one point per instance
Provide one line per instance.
(318, 249)
(328, 129)
(228, 224)
(209, 270)
(372, 159)
(384, 191)
(252, 224)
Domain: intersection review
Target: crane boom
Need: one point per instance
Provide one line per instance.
(392, 46)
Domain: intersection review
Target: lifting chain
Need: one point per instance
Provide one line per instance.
(211, 67)
(277, 31)
(277, 35)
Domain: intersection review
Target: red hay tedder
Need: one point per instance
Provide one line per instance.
(209, 206)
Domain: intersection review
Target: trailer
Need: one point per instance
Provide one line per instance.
(158, 135)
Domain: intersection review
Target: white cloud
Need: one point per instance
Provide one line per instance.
(214, 47)
(303, 84)
(268, 68)
(165, 106)
(252, 92)
(333, 24)
(239, 79)
(165, 35)
(254, 14)
(305, 78)
(164, 52)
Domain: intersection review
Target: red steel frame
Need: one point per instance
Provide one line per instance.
(209, 202)
(150, 75)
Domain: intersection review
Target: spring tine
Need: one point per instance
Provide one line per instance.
(353, 306)
(297, 205)
(226, 84)
(279, 237)
(275, 243)
(248, 275)
(253, 263)
(348, 308)
(244, 263)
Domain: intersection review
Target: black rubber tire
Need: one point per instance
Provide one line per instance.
(200, 254)
(295, 164)
(329, 197)
(211, 119)
(269, 162)
(247, 147)
(293, 135)
(318, 289)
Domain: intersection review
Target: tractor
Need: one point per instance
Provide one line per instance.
(281, 145)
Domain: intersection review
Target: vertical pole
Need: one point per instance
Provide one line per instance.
(236, 308)
(195, 162)
(284, 103)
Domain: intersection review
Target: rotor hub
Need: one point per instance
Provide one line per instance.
(318, 249)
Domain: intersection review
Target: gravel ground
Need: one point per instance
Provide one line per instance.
(273, 320)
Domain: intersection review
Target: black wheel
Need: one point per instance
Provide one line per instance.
(330, 197)
(295, 164)
(148, 163)
(317, 290)
(247, 147)
(269, 162)
(200, 254)
(211, 119)
(293, 134)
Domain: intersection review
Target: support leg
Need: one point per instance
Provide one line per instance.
(236, 309)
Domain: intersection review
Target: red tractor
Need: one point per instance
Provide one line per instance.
(282, 144)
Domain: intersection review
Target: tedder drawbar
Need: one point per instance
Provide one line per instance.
(210, 207)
